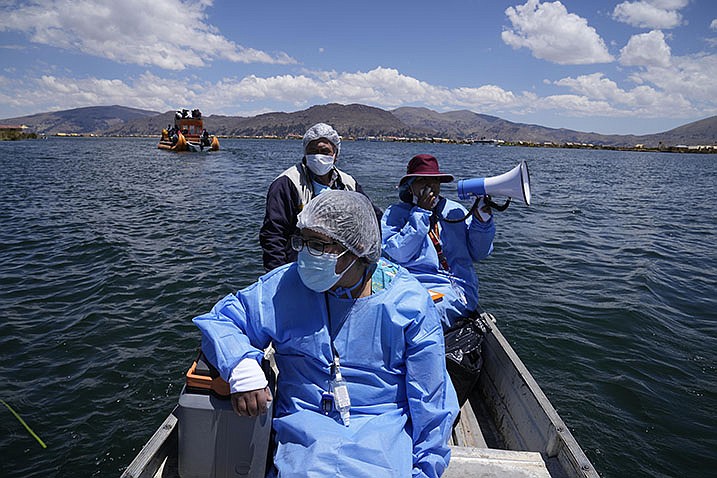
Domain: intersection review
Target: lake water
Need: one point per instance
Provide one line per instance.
(605, 287)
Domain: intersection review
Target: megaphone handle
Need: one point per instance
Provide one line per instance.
(470, 212)
(488, 201)
(495, 206)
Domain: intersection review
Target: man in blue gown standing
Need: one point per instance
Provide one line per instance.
(362, 388)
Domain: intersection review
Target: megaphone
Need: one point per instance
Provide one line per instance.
(514, 184)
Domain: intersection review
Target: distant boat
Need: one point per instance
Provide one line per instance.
(188, 134)
(507, 429)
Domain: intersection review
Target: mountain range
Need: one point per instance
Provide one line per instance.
(354, 121)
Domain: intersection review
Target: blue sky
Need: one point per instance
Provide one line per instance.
(625, 67)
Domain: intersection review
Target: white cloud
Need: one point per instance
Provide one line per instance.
(553, 34)
(681, 87)
(384, 87)
(685, 89)
(170, 34)
(713, 25)
(596, 87)
(381, 87)
(646, 49)
(650, 13)
(602, 94)
(53, 93)
(689, 76)
(581, 106)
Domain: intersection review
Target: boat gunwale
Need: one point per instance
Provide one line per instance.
(557, 441)
(162, 445)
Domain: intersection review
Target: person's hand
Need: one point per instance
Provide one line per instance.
(252, 403)
(427, 199)
(483, 212)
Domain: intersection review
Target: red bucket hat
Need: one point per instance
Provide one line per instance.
(424, 165)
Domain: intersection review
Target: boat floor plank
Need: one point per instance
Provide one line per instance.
(169, 468)
(486, 423)
(467, 431)
(470, 461)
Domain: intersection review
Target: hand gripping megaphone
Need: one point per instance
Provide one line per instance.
(514, 184)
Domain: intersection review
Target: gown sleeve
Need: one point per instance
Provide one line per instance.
(403, 232)
(432, 400)
(480, 237)
(232, 332)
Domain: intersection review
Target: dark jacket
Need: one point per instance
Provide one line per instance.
(286, 197)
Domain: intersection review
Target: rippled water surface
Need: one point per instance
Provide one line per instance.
(605, 286)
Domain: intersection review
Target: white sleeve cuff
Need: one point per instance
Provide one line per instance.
(246, 376)
(485, 217)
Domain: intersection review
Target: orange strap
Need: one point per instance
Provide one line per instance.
(435, 238)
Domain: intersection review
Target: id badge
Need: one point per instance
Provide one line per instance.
(341, 395)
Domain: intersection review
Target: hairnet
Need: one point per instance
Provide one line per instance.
(346, 216)
(322, 130)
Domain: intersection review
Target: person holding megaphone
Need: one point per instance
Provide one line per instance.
(438, 241)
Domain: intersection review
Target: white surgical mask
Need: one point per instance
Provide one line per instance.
(318, 273)
(319, 164)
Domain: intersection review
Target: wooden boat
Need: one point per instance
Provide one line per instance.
(190, 136)
(508, 428)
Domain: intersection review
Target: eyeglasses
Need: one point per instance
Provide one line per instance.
(315, 247)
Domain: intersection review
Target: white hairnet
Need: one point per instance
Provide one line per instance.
(322, 130)
(347, 217)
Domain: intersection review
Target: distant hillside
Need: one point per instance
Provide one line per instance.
(349, 121)
(466, 124)
(454, 124)
(700, 132)
(92, 119)
(142, 125)
(355, 121)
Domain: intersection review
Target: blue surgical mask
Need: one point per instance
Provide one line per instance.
(318, 273)
(319, 164)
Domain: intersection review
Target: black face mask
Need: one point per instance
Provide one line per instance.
(404, 192)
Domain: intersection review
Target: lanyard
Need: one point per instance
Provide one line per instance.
(334, 352)
(436, 239)
(338, 395)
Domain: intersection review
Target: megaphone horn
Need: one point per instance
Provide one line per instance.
(514, 184)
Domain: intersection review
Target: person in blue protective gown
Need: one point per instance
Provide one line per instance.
(362, 389)
(439, 242)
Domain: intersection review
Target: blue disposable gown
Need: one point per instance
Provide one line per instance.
(405, 240)
(391, 350)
